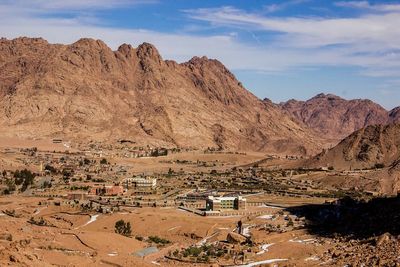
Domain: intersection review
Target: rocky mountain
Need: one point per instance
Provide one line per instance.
(374, 146)
(394, 115)
(335, 118)
(87, 91)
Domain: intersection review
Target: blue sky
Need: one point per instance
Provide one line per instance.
(278, 49)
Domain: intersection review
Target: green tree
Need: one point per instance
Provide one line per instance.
(50, 168)
(123, 228)
(24, 178)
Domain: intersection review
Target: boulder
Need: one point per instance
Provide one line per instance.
(386, 237)
(235, 238)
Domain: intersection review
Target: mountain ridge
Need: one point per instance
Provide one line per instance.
(374, 146)
(335, 118)
(87, 91)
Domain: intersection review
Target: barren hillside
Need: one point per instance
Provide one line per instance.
(334, 117)
(394, 115)
(370, 147)
(87, 91)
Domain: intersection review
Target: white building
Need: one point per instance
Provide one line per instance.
(140, 182)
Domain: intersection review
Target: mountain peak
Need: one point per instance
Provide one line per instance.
(335, 117)
(90, 43)
(198, 60)
(327, 96)
(148, 51)
(125, 49)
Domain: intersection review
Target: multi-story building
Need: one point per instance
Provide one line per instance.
(140, 182)
(225, 203)
(107, 190)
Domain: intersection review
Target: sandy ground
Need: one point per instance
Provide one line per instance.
(71, 239)
(40, 144)
(162, 164)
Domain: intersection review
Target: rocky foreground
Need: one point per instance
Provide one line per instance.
(380, 251)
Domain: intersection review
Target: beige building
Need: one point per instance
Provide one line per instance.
(140, 182)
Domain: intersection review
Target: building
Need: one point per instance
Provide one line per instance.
(196, 196)
(77, 196)
(107, 190)
(225, 203)
(140, 182)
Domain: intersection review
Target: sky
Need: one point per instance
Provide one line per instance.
(279, 49)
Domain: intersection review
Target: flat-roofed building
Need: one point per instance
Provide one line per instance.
(77, 196)
(140, 182)
(107, 190)
(225, 203)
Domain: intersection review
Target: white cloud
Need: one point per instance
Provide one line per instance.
(366, 5)
(371, 41)
(353, 4)
(283, 5)
(69, 5)
(313, 31)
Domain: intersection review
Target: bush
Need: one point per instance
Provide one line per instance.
(46, 184)
(159, 152)
(192, 251)
(24, 178)
(379, 166)
(10, 187)
(123, 228)
(39, 222)
(159, 240)
(50, 168)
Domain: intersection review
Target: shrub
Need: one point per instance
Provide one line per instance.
(39, 222)
(176, 253)
(290, 223)
(24, 178)
(379, 166)
(123, 228)
(192, 251)
(159, 240)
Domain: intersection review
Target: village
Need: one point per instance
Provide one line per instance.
(90, 177)
(248, 195)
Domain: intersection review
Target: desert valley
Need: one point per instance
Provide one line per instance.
(122, 158)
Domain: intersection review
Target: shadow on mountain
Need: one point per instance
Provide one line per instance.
(351, 218)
